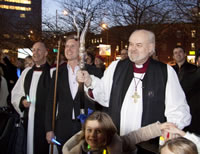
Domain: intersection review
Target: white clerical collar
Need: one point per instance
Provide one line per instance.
(138, 66)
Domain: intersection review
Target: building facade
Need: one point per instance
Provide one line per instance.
(20, 22)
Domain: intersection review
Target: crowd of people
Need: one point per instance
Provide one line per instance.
(135, 100)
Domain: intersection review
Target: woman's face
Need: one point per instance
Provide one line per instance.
(94, 135)
(97, 61)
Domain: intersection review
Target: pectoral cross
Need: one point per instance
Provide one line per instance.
(135, 97)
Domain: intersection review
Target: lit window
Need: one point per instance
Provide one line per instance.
(22, 15)
(193, 46)
(6, 36)
(193, 33)
(92, 41)
(5, 50)
(117, 48)
(19, 1)
(101, 40)
(95, 40)
(178, 34)
(11, 7)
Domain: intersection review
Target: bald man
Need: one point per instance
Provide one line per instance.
(29, 99)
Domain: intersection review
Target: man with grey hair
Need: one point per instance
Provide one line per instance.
(139, 90)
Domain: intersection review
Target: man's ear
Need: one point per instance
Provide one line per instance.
(151, 48)
(46, 53)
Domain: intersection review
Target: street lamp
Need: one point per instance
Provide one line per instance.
(65, 13)
(105, 27)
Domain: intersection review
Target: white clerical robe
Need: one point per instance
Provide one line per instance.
(17, 93)
(176, 107)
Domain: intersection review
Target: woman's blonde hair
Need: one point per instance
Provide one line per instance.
(180, 145)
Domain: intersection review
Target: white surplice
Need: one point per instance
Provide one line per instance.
(17, 94)
(136, 107)
(176, 107)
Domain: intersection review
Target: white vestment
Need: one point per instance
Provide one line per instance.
(194, 138)
(176, 108)
(17, 93)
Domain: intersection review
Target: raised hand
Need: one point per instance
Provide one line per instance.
(83, 76)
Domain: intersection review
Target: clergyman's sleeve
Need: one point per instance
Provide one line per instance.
(18, 92)
(177, 110)
(101, 88)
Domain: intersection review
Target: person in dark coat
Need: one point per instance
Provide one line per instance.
(99, 63)
(29, 97)
(189, 77)
(9, 73)
(90, 59)
(68, 96)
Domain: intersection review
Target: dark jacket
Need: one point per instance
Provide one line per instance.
(189, 77)
(65, 126)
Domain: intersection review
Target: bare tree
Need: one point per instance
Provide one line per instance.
(140, 12)
(82, 10)
(187, 10)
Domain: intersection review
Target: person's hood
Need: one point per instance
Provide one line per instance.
(73, 145)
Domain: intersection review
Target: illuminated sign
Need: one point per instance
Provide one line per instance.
(55, 50)
(191, 59)
(192, 52)
(104, 50)
(24, 52)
